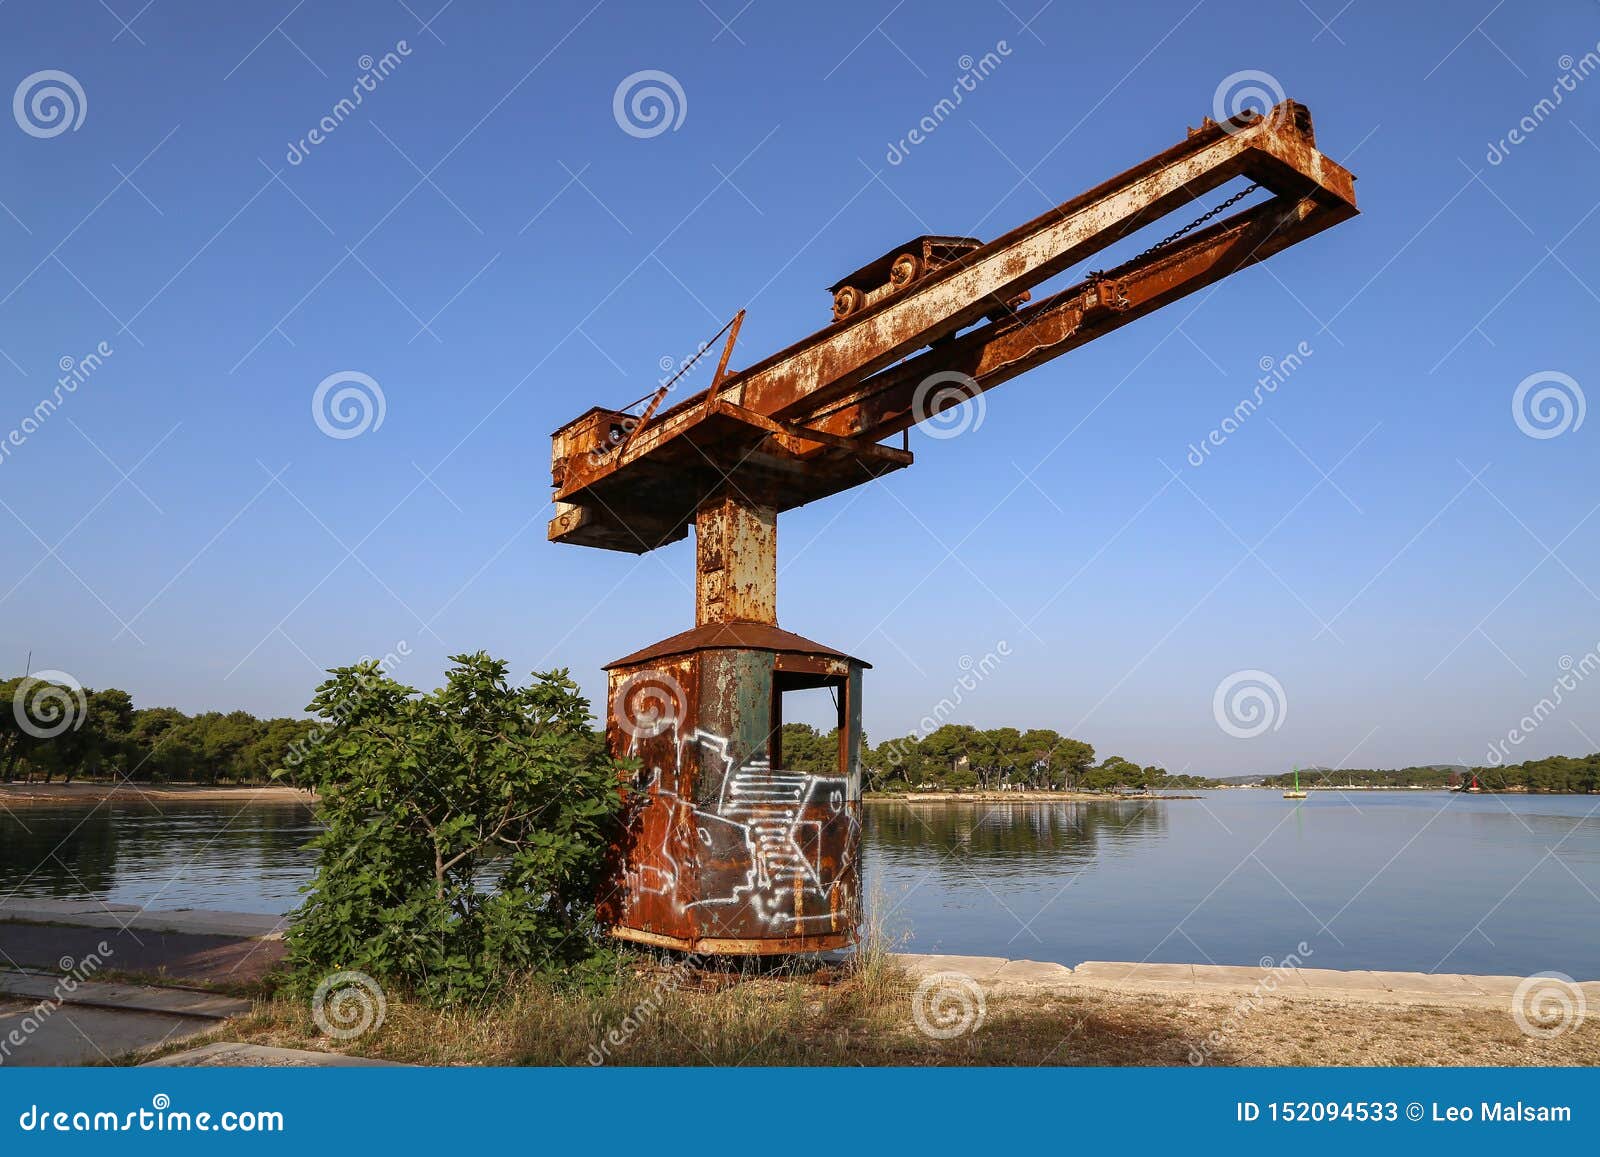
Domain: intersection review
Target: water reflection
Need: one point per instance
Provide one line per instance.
(1008, 839)
(248, 859)
(1420, 881)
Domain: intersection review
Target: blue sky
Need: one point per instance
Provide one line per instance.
(483, 240)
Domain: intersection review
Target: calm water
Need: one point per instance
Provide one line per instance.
(195, 855)
(1418, 880)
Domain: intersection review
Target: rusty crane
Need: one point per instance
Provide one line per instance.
(724, 849)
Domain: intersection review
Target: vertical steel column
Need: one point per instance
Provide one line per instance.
(736, 561)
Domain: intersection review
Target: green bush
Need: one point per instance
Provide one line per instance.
(464, 829)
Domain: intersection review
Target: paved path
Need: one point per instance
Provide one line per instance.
(45, 1020)
(43, 943)
(98, 914)
(76, 1035)
(1448, 990)
(221, 948)
(231, 1054)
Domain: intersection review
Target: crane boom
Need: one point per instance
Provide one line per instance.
(806, 422)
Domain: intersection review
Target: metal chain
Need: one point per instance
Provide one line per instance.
(1171, 237)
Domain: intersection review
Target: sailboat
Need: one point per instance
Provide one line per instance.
(1296, 793)
(1474, 789)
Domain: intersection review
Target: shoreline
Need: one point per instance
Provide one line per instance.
(45, 794)
(1014, 797)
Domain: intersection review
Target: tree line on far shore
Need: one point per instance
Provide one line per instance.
(959, 757)
(54, 733)
(1558, 773)
(50, 732)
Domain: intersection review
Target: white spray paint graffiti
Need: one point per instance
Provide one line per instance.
(762, 810)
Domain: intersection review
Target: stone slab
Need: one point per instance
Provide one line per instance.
(1119, 972)
(176, 957)
(1449, 990)
(977, 967)
(1033, 972)
(186, 1002)
(231, 1054)
(1239, 977)
(1355, 980)
(1433, 983)
(1501, 986)
(95, 914)
(78, 1035)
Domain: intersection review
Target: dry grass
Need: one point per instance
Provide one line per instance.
(659, 1014)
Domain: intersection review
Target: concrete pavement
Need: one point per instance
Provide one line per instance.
(1447, 990)
(51, 1019)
